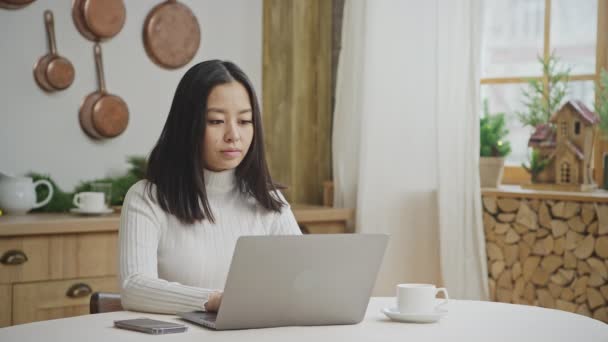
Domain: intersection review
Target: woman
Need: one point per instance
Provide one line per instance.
(207, 183)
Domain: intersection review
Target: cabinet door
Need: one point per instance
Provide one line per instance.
(6, 298)
(57, 299)
(34, 258)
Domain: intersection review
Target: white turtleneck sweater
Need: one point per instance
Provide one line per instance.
(167, 266)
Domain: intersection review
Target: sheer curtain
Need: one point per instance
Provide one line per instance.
(463, 260)
(405, 138)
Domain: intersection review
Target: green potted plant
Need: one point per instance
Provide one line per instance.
(493, 147)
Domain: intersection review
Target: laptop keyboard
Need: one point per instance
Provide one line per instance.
(210, 318)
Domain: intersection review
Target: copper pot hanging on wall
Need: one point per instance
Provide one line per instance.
(14, 4)
(99, 20)
(53, 72)
(101, 114)
(171, 34)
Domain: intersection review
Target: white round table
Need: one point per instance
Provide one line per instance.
(465, 321)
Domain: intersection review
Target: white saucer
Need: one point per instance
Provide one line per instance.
(427, 317)
(88, 212)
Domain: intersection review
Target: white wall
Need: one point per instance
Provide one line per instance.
(40, 132)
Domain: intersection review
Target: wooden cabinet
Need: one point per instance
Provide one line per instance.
(58, 256)
(50, 265)
(6, 303)
(57, 299)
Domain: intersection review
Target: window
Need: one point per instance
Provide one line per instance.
(577, 128)
(514, 34)
(565, 173)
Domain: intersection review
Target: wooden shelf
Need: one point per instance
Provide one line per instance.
(515, 191)
(306, 214)
(44, 224)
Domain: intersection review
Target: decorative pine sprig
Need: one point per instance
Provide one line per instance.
(540, 104)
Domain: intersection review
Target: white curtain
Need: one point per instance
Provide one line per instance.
(405, 141)
(349, 97)
(463, 259)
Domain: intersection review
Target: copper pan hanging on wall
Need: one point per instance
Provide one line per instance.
(14, 4)
(98, 20)
(171, 34)
(101, 114)
(53, 72)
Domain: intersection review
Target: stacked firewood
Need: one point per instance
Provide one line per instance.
(548, 253)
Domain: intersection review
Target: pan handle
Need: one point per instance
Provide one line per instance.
(99, 65)
(50, 30)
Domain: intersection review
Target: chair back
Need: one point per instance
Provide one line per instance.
(105, 302)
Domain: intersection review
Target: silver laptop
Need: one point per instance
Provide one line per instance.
(303, 280)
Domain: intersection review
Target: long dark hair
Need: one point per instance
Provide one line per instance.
(175, 164)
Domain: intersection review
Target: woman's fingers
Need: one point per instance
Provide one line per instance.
(214, 302)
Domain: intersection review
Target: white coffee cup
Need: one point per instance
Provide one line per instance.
(90, 201)
(419, 298)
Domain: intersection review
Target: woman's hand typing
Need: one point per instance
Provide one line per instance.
(214, 302)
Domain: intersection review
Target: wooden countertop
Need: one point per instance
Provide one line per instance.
(515, 191)
(36, 224)
(63, 223)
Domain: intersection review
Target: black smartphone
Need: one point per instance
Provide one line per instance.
(150, 326)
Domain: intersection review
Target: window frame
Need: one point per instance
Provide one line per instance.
(517, 175)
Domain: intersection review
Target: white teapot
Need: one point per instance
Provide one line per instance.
(18, 194)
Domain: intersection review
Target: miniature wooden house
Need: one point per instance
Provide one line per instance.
(567, 143)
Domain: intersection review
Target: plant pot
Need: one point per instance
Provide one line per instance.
(490, 171)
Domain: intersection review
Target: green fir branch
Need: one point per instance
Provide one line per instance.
(536, 164)
(541, 103)
(62, 201)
